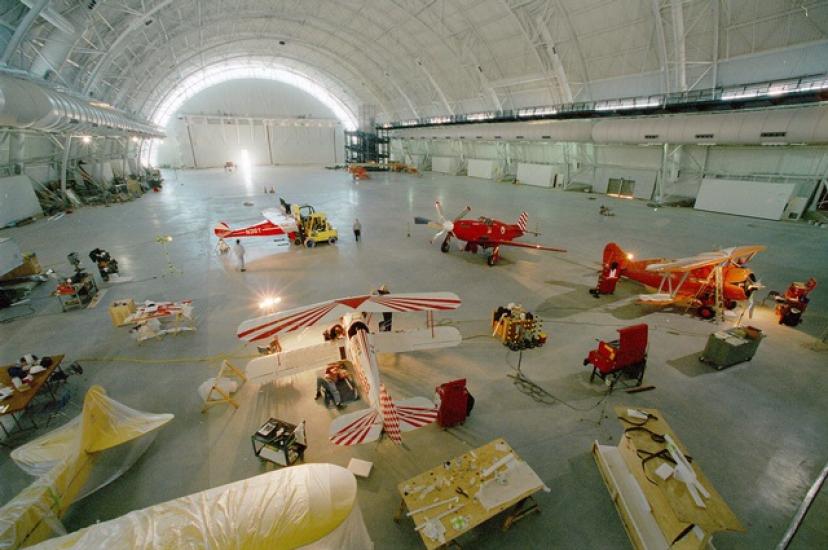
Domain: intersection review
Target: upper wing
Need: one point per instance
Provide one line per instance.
(416, 340)
(741, 254)
(522, 245)
(275, 216)
(266, 327)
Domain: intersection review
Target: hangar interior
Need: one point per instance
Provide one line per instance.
(195, 194)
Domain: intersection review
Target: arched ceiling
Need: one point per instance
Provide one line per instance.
(406, 58)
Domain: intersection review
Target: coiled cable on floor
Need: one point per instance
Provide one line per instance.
(541, 395)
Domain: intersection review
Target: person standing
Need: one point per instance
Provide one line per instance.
(357, 229)
(238, 250)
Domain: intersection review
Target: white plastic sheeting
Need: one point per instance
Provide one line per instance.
(311, 506)
(744, 198)
(17, 200)
(73, 461)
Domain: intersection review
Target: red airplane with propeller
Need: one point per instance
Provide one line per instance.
(481, 233)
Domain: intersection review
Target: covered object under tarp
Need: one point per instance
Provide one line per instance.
(312, 507)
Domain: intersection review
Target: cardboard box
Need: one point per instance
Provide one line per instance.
(120, 310)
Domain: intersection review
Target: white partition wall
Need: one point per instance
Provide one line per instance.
(480, 168)
(252, 121)
(446, 165)
(745, 198)
(540, 175)
(17, 200)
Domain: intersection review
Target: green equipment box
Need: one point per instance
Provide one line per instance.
(732, 346)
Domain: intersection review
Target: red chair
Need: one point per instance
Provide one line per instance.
(625, 356)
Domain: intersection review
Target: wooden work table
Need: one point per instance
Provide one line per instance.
(17, 404)
(456, 483)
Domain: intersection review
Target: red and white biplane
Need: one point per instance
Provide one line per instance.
(275, 224)
(708, 282)
(481, 233)
(303, 336)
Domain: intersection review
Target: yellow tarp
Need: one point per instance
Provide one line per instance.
(72, 462)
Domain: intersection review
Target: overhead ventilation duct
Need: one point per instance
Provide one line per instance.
(34, 106)
(784, 126)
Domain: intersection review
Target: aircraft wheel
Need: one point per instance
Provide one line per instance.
(491, 260)
(445, 246)
(332, 240)
(730, 305)
(310, 243)
(706, 312)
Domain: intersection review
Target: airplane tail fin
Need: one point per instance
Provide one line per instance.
(523, 219)
(221, 230)
(614, 254)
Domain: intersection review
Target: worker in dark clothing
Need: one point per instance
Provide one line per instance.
(385, 325)
(357, 229)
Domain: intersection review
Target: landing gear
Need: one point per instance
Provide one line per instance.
(445, 246)
(492, 259)
(706, 312)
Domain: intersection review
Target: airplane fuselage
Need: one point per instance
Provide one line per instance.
(483, 231)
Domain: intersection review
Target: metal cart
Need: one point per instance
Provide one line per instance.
(280, 442)
(732, 346)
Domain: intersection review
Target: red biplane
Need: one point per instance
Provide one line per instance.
(481, 233)
(709, 282)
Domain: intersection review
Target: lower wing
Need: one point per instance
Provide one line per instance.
(416, 340)
(354, 428)
(288, 363)
(415, 412)
(658, 299)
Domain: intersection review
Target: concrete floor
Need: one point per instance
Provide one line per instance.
(757, 429)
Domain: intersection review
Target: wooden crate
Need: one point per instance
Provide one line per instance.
(120, 310)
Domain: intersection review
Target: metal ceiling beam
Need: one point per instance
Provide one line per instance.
(436, 86)
(677, 12)
(22, 29)
(114, 48)
(662, 46)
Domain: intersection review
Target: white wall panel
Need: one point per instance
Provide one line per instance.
(17, 200)
(303, 145)
(744, 198)
(445, 165)
(479, 168)
(540, 175)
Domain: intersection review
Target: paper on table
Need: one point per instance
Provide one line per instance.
(519, 480)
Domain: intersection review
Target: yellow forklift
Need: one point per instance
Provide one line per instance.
(313, 227)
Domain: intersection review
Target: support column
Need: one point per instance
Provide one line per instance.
(64, 166)
(21, 30)
(17, 155)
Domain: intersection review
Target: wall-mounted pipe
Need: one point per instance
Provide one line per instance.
(782, 126)
(31, 105)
